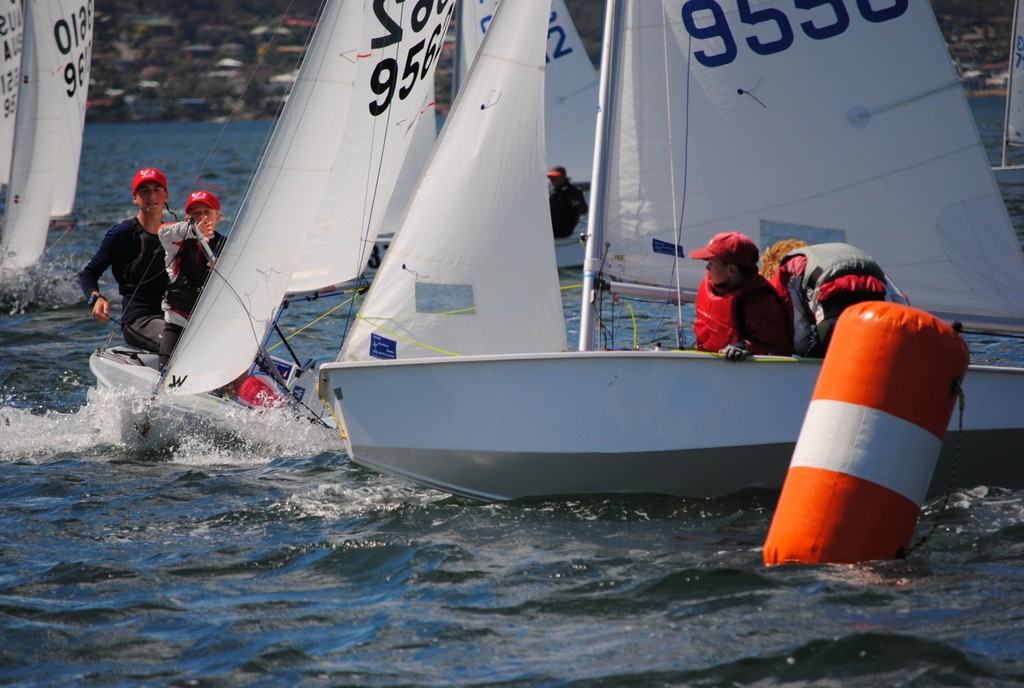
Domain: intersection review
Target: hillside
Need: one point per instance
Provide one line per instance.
(204, 60)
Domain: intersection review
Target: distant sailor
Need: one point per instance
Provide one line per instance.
(566, 201)
(133, 252)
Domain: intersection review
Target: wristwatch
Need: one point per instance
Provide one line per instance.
(93, 298)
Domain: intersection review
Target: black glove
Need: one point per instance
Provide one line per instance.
(736, 352)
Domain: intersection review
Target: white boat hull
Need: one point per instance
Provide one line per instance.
(675, 423)
(1009, 174)
(133, 373)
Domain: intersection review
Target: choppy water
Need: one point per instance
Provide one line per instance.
(271, 560)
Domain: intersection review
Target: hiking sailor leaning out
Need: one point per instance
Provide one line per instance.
(132, 251)
(819, 281)
(738, 312)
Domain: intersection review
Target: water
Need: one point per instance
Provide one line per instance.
(264, 558)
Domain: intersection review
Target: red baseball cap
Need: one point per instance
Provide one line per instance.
(557, 172)
(148, 174)
(731, 247)
(202, 197)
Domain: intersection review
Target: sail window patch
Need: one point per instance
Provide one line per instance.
(445, 299)
(777, 231)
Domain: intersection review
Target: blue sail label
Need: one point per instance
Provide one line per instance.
(382, 347)
(667, 249)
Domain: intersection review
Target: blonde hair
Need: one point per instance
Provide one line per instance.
(774, 253)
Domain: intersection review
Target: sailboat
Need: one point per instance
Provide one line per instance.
(52, 87)
(310, 217)
(843, 122)
(1013, 122)
(570, 101)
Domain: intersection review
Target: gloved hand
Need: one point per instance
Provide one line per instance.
(736, 352)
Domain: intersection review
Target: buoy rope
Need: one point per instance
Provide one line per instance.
(958, 390)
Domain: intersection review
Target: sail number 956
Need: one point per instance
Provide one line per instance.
(773, 30)
(419, 57)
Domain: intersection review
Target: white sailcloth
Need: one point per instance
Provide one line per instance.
(472, 269)
(749, 132)
(10, 78)
(323, 158)
(570, 90)
(377, 136)
(50, 118)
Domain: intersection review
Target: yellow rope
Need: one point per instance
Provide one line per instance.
(311, 323)
(407, 339)
(632, 318)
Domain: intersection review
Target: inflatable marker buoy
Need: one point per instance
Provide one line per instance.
(872, 434)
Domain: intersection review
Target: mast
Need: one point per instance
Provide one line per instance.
(1009, 80)
(610, 65)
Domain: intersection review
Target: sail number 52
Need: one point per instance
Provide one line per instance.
(705, 20)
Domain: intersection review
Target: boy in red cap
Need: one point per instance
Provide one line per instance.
(190, 249)
(738, 312)
(133, 252)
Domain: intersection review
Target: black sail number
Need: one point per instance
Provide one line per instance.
(399, 75)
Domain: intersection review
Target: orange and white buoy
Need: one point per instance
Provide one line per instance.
(871, 437)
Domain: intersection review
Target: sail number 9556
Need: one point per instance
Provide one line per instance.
(773, 30)
(384, 81)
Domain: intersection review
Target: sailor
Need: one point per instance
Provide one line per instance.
(817, 282)
(133, 252)
(566, 201)
(738, 312)
(190, 249)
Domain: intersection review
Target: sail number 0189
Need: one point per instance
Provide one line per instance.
(705, 20)
(385, 78)
(74, 34)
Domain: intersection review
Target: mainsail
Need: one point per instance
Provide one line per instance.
(752, 131)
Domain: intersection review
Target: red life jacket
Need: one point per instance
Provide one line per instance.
(752, 313)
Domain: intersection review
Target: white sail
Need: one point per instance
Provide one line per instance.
(377, 135)
(570, 91)
(10, 78)
(749, 132)
(422, 143)
(478, 221)
(323, 158)
(51, 115)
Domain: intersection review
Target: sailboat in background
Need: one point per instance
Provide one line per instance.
(310, 217)
(570, 101)
(48, 125)
(1013, 122)
(790, 122)
(11, 48)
